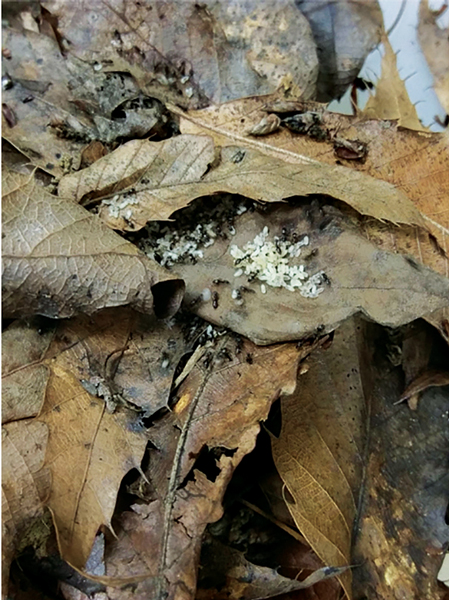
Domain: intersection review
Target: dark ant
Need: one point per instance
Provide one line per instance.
(239, 346)
(215, 299)
(220, 281)
(311, 254)
(242, 288)
(224, 353)
(249, 358)
(325, 278)
(196, 300)
(239, 260)
(207, 360)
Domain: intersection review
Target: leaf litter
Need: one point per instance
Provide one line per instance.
(158, 414)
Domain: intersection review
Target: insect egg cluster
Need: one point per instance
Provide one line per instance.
(119, 202)
(194, 230)
(270, 263)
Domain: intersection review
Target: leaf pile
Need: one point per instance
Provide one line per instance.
(175, 425)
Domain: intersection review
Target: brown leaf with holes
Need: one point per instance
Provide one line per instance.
(195, 450)
(435, 46)
(391, 100)
(360, 276)
(58, 259)
(320, 451)
(60, 373)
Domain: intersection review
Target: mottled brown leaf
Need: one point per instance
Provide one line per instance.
(193, 54)
(154, 171)
(402, 530)
(58, 259)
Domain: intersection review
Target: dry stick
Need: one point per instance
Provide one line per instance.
(280, 524)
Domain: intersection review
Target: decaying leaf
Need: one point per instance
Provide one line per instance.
(58, 260)
(320, 452)
(229, 575)
(435, 45)
(391, 100)
(345, 32)
(214, 422)
(402, 527)
(124, 357)
(389, 288)
(194, 54)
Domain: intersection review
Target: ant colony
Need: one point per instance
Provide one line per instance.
(269, 261)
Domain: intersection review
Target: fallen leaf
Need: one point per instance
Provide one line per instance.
(59, 259)
(126, 358)
(389, 288)
(192, 54)
(427, 379)
(391, 100)
(145, 175)
(213, 424)
(24, 377)
(345, 33)
(229, 575)
(402, 529)
(88, 451)
(435, 46)
(320, 451)
(25, 485)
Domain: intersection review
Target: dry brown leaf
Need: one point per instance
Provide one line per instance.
(24, 377)
(194, 54)
(389, 288)
(435, 45)
(229, 575)
(25, 485)
(217, 414)
(58, 259)
(155, 171)
(122, 356)
(88, 451)
(391, 100)
(53, 97)
(126, 358)
(319, 453)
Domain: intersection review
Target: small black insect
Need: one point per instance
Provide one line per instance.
(196, 300)
(220, 281)
(325, 278)
(215, 299)
(249, 358)
(246, 290)
(224, 353)
(239, 345)
(207, 359)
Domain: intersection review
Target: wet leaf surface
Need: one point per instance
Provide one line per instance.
(59, 259)
(402, 528)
